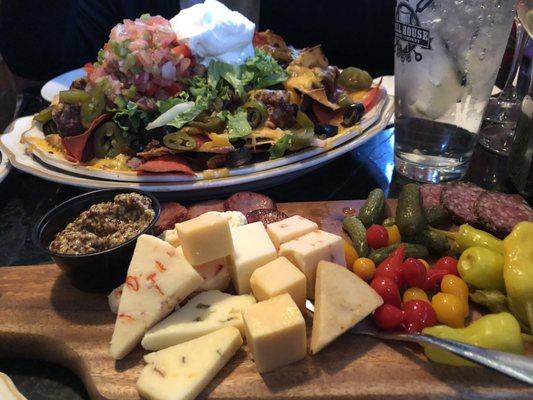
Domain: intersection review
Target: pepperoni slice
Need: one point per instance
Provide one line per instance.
(246, 202)
(431, 193)
(171, 214)
(205, 206)
(265, 216)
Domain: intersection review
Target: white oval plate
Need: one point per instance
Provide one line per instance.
(59, 83)
(60, 162)
(5, 166)
(16, 151)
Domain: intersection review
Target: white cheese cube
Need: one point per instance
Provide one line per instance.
(253, 249)
(342, 299)
(278, 277)
(289, 229)
(204, 313)
(181, 372)
(158, 278)
(275, 333)
(306, 252)
(205, 238)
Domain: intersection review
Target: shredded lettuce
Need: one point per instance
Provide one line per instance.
(238, 126)
(279, 148)
(129, 116)
(262, 71)
(187, 116)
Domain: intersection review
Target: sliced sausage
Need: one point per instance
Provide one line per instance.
(171, 214)
(265, 216)
(500, 212)
(459, 198)
(204, 206)
(431, 193)
(249, 201)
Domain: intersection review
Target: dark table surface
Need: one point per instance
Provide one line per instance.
(24, 198)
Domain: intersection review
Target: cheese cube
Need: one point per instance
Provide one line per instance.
(215, 273)
(204, 313)
(158, 278)
(278, 277)
(342, 300)
(306, 252)
(253, 249)
(205, 238)
(289, 229)
(181, 372)
(275, 332)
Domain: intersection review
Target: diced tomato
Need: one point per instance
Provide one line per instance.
(89, 68)
(182, 49)
(260, 39)
(174, 89)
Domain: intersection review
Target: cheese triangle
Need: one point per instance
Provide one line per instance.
(342, 299)
(158, 278)
(181, 372)
(204, 313)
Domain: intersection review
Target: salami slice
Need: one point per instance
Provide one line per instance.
(459, 198)
(500, 212)
(249, 201)
(171, 214)
(431, 193)
(265, 216)
(205, 206)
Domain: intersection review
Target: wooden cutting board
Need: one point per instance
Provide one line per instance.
(43, 316)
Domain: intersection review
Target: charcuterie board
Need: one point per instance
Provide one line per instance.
(43, 316)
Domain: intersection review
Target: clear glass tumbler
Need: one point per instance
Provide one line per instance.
(447, 56)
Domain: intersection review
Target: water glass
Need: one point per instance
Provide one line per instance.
(447, 56)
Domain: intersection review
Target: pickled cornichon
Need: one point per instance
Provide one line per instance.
(410, 216)
(372, 211)
(357, 232)
(410, 250)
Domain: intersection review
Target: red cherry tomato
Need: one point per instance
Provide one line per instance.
(418, 314)
(387, 289)
(388, 318)
(414, 272)
(447, 263)
(377, 236)
(433, 278)
(389, 271)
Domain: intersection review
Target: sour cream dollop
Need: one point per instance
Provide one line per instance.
(214, 32)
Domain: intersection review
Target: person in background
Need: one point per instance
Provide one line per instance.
(42, 39)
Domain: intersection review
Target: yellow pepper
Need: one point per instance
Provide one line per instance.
(394, 234)
(493, 331)
(518, 272)
(350, 254)
(468, 236)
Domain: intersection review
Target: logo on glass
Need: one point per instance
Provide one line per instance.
(408, 32)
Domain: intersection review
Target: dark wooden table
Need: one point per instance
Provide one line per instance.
(24, 198)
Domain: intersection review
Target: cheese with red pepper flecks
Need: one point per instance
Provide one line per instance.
(289, 229)
(306, 252)
(158, 278)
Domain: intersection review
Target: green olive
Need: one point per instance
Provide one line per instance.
(353, 78)
(179, 141)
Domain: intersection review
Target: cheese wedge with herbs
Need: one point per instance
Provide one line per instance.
(342, 299)
(158, 278)
(204, 313)
(181, 372)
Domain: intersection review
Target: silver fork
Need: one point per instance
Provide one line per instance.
(513, 365)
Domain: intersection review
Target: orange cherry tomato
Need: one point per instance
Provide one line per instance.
(449, 309)
(414, 293)
(364, 268)
(452, 284)
(394, 235)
